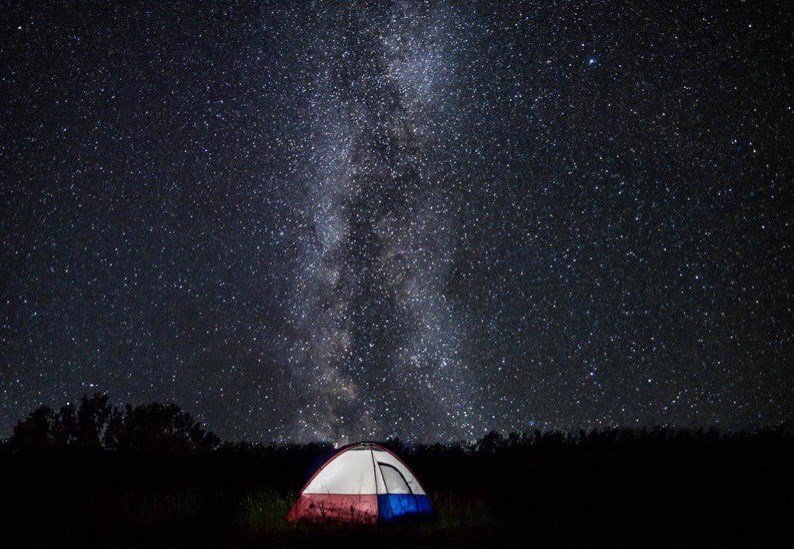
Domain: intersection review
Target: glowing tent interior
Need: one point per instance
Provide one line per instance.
(362, 483)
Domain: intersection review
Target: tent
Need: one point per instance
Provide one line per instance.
(362, 483)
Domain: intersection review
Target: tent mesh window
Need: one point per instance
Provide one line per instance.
(395, 482)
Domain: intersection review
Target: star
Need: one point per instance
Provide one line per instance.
(306, 221)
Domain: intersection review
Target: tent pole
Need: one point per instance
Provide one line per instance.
(375, 473)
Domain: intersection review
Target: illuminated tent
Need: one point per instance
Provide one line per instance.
(362, 483)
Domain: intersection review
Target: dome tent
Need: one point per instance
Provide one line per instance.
(362, 483)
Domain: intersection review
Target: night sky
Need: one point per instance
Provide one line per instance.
(309, 220)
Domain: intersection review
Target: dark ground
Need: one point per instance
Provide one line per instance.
(657, 488)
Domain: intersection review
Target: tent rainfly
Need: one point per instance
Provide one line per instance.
(362, 483)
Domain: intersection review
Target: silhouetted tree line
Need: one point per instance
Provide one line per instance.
(166, 429)
(96, 424)
(494, 442)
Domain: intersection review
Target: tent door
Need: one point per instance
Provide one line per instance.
(394, 480)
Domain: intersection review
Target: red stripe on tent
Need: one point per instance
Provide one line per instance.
(341, 508)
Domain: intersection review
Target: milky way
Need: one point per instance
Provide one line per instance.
(316, 220)
(378, 339)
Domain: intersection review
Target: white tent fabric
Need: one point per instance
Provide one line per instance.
(357, 471)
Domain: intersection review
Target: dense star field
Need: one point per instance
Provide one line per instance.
(317, 220)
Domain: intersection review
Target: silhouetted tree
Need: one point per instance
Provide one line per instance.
(37, 431)
(114, 429)
(159, 428)
(396, 445)
(95, 424)
(490, 443)
(92, 420)
(66, 430)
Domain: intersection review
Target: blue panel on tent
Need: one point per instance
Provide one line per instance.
(391, 507)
